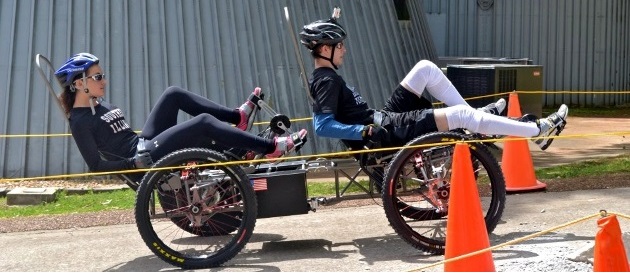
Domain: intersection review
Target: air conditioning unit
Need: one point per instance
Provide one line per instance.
(480, 80)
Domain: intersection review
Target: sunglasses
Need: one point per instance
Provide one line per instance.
(96, 77)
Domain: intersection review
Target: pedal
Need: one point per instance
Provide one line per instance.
(556, 133)
(561, 128)
(564, 123)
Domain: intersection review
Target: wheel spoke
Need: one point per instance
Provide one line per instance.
(418, 183)
(203, 217)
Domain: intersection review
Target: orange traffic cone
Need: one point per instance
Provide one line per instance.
(516, 163)
(609, 251)
(465, 227)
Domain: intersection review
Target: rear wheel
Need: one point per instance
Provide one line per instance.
(204, 214)
(417, 188)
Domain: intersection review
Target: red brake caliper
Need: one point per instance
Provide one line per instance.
(435, 194)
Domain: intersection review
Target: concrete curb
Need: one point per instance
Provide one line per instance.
(31, 196)
(37, 196)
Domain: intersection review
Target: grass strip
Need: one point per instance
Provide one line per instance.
(125, 199)
(66, 204)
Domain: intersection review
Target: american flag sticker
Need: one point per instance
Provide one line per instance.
(259, 184)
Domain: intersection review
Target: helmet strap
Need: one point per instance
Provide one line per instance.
(332, 55)
(87, 91)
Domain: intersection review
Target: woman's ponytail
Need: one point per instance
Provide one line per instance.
(67, 98)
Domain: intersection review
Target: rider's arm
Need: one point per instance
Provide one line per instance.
(326, 126)
(87, 146)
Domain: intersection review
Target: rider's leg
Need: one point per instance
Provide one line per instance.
(426, 74)
(402, 100)
(450, 118)
(174, 99)
(206, 131)
(455, 117)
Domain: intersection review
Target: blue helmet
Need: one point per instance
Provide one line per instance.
(77, 64)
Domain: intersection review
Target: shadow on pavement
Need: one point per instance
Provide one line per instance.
(549, 238)
(369, 251)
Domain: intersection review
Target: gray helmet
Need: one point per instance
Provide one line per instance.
(322, 32)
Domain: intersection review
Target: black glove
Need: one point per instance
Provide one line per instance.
(142, 160)
(380, 118)
(375, 134)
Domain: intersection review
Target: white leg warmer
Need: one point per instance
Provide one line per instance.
(484, 123)
(427, 74)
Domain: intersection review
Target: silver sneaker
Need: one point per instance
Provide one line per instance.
(495, 108)
(551, 125)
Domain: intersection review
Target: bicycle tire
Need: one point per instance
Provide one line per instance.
(210, 191)
(405, 200)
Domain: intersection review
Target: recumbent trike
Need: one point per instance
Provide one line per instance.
(197, 208)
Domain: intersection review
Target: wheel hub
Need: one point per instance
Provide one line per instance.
(195, 209)
(438, 194)
(443, 193)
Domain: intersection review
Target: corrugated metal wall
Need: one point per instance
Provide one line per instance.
(220, 49)
(582, 44)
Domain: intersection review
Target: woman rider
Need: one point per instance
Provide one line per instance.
(107, 142)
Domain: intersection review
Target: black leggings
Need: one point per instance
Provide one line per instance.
(207, 129)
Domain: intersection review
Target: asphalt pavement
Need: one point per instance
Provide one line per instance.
(344, 239)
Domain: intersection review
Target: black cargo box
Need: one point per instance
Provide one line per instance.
(281, 189)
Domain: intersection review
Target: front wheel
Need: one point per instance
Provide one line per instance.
(417, 189)
(194, 213)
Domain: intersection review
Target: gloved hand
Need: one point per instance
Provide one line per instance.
(143, 160)
(380, 118)
(375, 134)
